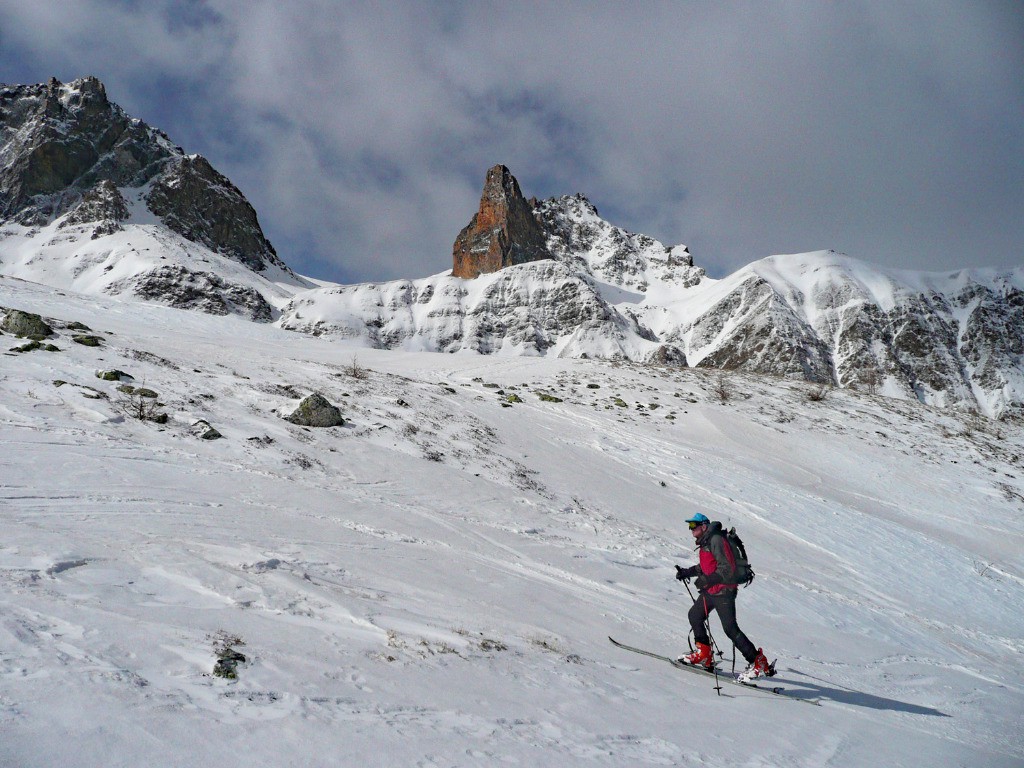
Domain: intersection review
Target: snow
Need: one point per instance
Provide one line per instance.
(66, 257)
(433, 584)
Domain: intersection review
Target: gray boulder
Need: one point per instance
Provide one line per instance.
(204, 431)
(316, 411)
(25, 324)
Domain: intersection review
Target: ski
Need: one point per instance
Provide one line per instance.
(726, 676)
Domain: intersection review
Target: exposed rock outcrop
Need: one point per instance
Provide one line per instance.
(203, 206)
(207, 292)
(104, 206)
(502, 233)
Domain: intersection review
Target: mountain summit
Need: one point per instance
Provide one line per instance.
(65, 145)
(75, 168)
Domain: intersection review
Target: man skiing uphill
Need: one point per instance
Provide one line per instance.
(715, 577)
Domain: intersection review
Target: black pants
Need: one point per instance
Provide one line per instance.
(725, 603)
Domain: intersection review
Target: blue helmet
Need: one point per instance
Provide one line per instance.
(699, 518)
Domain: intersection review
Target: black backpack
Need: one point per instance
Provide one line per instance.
(744, 572)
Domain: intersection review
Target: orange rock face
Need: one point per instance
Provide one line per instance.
(502, 233)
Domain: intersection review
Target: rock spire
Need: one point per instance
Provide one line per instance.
(502, 233)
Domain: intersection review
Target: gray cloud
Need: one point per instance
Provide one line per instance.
(362, 135)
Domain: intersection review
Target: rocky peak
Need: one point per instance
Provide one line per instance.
(576, 234)
(502, 233)
(85, 94)
(51, 136)
(66, 147)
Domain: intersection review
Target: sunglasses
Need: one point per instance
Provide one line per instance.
(694, 525)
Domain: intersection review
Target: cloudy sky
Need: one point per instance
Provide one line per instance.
(362, 132)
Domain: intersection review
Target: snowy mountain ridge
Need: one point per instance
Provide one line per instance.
(952, 340)
(94, 201)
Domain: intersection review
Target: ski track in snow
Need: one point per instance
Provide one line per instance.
(433, 583)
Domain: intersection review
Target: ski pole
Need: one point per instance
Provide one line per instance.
(707, 625)
(707, 622)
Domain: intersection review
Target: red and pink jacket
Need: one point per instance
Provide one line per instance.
(717, 560)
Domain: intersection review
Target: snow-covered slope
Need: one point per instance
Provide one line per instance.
(143, 259)
(539, 308)
(945, 339)
(434, 582)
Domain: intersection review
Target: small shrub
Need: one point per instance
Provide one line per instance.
(723, 389)
(141, 404)
(355, 370)
(430, 454)
(818, 394)
(981, 567)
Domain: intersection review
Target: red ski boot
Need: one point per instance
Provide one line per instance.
(702, 657)
(759, 667)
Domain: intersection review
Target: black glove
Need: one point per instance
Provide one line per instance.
(684, 574)
(707, 580)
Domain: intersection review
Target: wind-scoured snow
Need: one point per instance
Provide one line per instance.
(434, 582)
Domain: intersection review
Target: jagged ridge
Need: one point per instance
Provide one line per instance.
(945, 340)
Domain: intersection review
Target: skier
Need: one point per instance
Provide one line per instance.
(715, 578)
